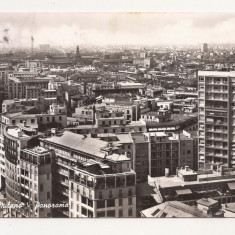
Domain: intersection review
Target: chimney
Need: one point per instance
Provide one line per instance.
(187, 168)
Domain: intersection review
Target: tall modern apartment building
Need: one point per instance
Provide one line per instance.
(216, 92)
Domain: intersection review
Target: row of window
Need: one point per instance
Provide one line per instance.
(111, 193)
(111, 213)
(111, 203)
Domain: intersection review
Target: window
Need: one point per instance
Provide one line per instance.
(84, 200)
(188, 151)
(120, 213)
(48, 214)
(111, 213)
(84, 211)
(100, 204)
(100, 195)
(90, 214)
(120, 201)
(48, 176)
(71, 194)
(90, 203)
(48, 195)
(110, 194)
(32, 120)
(120, 192)
(41, 187)
(130, 192)
(100, 214)
(77, 208)
(111, 203)
(129, 200)
(71, 205)
(130, 212)
(60, 118)
(48, 119)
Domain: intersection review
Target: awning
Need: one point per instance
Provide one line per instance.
(231, 186)
(183, 192)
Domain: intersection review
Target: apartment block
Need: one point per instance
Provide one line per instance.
(92, 176)
(216, 119)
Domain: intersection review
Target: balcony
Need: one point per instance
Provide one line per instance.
(215, 107)
(65, 183)
(216, 146)
(224, 99)
(63, 172)
(216, 131)
(217, 91)
(65, 192)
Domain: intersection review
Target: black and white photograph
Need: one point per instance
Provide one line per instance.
(117, 115)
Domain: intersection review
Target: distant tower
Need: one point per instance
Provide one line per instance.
(32, 42)
(78, 55)
(204, 48)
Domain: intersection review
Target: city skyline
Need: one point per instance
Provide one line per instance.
(69, 29)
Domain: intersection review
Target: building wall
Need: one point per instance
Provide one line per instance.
(215, 118)
(141, 162)
(48, 119)
(85, 202)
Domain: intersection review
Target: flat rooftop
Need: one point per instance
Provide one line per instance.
(174, 181)
(173, 209)
(217, 73)
(38, 150)
(177, 119)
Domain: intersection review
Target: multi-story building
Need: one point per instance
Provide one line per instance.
(204, 48)
(19, 105)
(21, 87)
(28, 174)
(115, 88)
(188, 186)
(2, 157)
(215, 120)
(107, 121)
(33, 65)
(176, 123)
(93, 177)
(3, 82)
(35, 167)
(157, 154)
(158, 116)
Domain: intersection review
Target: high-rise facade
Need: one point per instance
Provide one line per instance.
(204, 47)
(216, 92)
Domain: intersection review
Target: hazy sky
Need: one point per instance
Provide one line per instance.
(69, 29)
